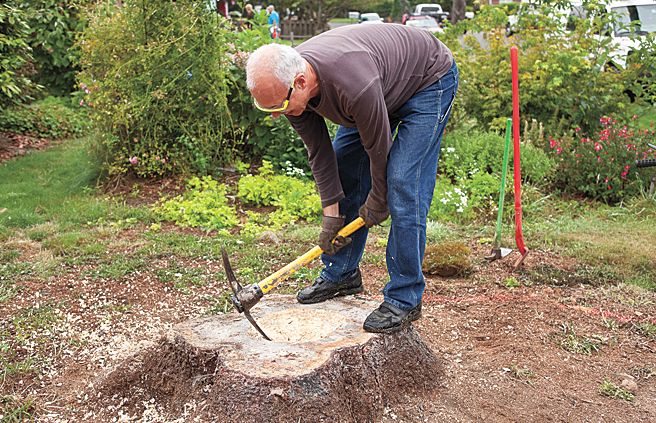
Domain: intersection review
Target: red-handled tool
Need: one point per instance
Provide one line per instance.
(519, 236)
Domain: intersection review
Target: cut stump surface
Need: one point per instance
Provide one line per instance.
(319, 366)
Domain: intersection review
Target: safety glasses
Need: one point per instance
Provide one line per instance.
(280, 108)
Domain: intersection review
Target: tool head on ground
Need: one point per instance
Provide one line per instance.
(498, 253)
(243, 298)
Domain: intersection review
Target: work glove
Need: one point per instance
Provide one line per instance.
(372, 217)
(329, 227)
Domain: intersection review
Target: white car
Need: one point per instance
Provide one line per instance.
(635, 19)
(424, 22)
(370, 18)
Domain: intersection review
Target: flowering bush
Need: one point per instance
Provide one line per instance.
(601, 166)
(154, 78)
(559, 71)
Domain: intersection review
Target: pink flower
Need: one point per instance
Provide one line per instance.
(597, 146)
(559, 150)
(134, 160)
(81, 102)
(552, 143)
(623, 174)
(577, 130)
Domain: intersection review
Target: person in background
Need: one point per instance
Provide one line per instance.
(222, 8)
(274, 21)
(249, 14)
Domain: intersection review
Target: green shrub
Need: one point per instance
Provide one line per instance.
(156, 80)
(467, 152)
(54, 25)
(273, 140)
(15, 52)
(561, 80)
(601, 165)
(470, 174)
(49, 118)
(204, 205)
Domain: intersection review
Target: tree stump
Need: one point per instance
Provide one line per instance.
(320, 366)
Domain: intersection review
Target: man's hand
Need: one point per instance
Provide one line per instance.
(330, 225)
(372, 217)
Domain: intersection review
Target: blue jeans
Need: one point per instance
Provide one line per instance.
(411, 175)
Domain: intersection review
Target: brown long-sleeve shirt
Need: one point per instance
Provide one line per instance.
(365, 73)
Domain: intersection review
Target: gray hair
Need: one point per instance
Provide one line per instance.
(281, 60)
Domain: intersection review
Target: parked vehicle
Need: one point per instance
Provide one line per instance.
(634, 20)
(370, 18)
(433, 10)
(424, 22)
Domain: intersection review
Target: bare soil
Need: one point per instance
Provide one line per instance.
(15, 145)
(531, 353)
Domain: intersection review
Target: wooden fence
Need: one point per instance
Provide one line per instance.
(293, 29)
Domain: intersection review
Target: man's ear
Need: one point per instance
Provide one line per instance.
(300, 82)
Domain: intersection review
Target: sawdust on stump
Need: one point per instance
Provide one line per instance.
(319, 366)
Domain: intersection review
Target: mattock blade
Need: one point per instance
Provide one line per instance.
(255, 325)
(252, 296)
(234, 284)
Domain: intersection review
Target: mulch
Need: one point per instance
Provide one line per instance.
(15, 145)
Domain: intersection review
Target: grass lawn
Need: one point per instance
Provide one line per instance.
(646, 115)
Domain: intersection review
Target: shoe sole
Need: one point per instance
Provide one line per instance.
(340, 293)
(404, 323)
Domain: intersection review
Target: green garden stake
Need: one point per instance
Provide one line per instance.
(497, 251)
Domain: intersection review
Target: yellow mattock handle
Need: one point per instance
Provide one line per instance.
(273, 280)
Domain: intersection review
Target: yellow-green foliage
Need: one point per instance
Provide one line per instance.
(203, 205)
(447, 259)
(297, 198)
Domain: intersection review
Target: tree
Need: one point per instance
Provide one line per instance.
(458, 11)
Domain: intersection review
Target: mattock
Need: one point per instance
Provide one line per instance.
(244, 298)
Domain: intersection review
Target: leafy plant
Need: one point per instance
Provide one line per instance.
(204, 205)
(16, 53)
(273, 140)
(561, 73)
(295, 196)
(511, 282)
(155, 78)
(52, 117)
(54, 26)
(470, 174)
(601, 165)
(574, 343)
(609, 389)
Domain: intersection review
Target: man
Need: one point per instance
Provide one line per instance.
(273, 21)
(376, 82)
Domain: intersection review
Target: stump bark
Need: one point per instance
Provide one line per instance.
(319, 367)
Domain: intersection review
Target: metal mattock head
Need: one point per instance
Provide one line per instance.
(243, 299)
